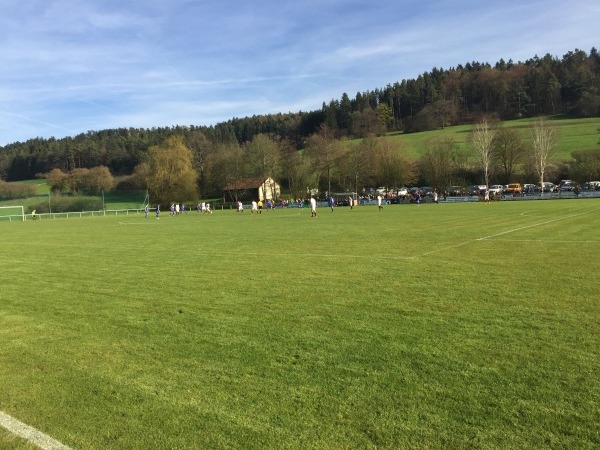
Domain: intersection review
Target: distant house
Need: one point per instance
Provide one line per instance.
(253, 189)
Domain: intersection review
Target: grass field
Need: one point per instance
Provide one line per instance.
(437, 326)
(573, 134)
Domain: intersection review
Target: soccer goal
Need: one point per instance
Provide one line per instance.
(12, 213)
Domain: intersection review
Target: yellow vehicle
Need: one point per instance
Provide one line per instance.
(514, 188)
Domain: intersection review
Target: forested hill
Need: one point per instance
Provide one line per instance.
(441, 97)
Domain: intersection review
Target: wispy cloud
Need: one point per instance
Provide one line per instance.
(70, 66)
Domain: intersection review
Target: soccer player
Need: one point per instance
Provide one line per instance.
(331, 202)
(379, 201)
(313, 207)
(254, 207)
(146, 210)
(157, 211)
(260, 205)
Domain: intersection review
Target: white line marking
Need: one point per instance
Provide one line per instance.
(309, 255)
(548, 241)
(535, 225)
(440, 249)
(30, 434)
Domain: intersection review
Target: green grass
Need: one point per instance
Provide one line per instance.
(573, 134)
(438, 326)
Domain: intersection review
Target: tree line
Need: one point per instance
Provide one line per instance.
(435, 99)
(185, 170)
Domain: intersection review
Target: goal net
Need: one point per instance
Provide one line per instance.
(12, 213)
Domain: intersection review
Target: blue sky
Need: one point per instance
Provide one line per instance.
(70, 66)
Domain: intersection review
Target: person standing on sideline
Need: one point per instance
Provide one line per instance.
(157, 211)
(379, 202)
(313, 207)
(146, 208)
(486, 196)
(260, 205)
(418, 198)
(331, 202)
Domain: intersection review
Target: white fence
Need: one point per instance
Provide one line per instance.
(69, 215)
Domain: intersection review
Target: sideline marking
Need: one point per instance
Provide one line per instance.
(535, 225)
(309, 255)
(30, 434)
(437, 250)
(135, 223)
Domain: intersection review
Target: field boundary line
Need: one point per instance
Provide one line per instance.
(547, 241)
(460, 244)
(308, 255)
(558, 219)
(30, 434)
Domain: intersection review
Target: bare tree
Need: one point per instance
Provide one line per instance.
(201, 148)
(391, 168)
(325, 150)
(544, 139)
(508, 150)
(483, 136)
(263, 158)
(438, 161)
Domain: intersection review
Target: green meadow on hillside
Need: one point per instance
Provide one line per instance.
(573, 135)
(435, 326)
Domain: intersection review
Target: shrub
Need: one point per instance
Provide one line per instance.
(10, 191)
(62, 204)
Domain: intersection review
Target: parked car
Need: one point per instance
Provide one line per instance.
(549, 187)
(496, 189)
(529, 188)
(476, 189)
(513, 188)
(426, 191)
(455, 190)
(567, 185)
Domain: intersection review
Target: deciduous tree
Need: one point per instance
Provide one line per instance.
(324, 149)
(544, 138)
(482, 138)
(508, 151)
(171, 175)
(438, 162)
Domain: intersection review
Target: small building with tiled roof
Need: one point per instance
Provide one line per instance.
(253, 189)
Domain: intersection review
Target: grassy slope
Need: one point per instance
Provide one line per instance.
(357, 329)
(574, 134)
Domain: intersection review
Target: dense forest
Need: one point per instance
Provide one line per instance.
(441, 97)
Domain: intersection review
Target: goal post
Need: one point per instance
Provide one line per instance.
(12, 213)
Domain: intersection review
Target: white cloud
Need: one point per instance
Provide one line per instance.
(74, 65)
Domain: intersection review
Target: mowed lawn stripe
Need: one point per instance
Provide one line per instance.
(238, 330)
